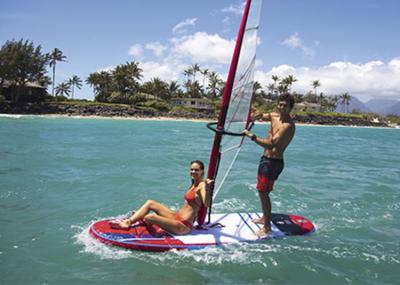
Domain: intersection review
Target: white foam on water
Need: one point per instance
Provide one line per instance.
(244, 254)
(93, 246)
(11, 116)
(231, 205)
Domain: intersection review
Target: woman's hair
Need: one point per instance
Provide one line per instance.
(199, 162)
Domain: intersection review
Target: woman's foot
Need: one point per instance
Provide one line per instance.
(120, 225)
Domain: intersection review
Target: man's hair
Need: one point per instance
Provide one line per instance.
(288, 98)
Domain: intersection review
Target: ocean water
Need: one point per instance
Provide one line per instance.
(58, 175)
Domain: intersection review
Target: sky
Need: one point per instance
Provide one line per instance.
(347, 45)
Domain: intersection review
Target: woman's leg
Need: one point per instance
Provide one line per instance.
(150, 205)
(171, 225)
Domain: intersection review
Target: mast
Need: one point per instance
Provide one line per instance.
(215, 152)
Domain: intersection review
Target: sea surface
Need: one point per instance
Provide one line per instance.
(59, 175)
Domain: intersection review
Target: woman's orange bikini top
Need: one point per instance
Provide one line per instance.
(190, 196)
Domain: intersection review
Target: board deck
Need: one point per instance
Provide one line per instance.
(224, 229)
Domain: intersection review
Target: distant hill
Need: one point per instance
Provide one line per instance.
(384, 106)
(355, 104)
(380, 106)
(395, 109)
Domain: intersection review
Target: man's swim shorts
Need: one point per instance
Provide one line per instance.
(268, 171)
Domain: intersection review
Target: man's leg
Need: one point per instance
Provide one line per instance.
(266, 209)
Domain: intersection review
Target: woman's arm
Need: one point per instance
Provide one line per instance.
(205, 191)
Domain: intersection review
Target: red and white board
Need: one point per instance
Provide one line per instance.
(225, 229)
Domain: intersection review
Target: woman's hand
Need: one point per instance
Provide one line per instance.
(209, 182)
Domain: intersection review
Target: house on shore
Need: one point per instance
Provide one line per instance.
(307, 107)
(194, 103)
(30, 92)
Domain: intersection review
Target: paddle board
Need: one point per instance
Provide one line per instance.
(225, 229)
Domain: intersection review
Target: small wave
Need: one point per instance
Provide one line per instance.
(229, 205)
(243, 254)
(92, 246)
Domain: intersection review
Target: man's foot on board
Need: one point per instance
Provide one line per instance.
(120, 225)
(258, 220)
(263, 232)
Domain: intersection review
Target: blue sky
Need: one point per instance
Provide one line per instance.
(349, 46)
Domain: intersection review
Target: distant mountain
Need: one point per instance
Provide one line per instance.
(395, 109)
(383, 106)
(355, 104)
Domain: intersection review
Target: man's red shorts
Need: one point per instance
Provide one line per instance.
(265, 184)
(268, 171)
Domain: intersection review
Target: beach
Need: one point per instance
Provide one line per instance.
(91, 110)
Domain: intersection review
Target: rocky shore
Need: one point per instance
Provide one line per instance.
(338, 120)
(126, 111)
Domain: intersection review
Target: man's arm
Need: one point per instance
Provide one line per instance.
(260, 116)
(272, 141)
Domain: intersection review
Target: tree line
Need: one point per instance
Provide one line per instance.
(22, 62)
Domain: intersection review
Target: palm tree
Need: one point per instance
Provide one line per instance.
(126, 77)
(188, 72)
(214, 83)
(258, 93)
(345, 99)
(275, 78)
(102, 85)
(288, 81)
(63, 89)
(173, 89)
(256, 87)
(54, 56)
(282, 88)
(195, 68)
(75, 81)
(204, 72)
(315, 85)
(158, 88)
(193, 89)
(332, 102)
(273, 86)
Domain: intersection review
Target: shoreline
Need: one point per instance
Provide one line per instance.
(128, 112)
(130, 118)
(168, 118)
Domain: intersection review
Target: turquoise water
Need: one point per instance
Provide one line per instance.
(58, 175)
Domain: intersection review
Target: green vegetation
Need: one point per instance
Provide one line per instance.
(55, 56)
(20, 63)
(23, 78)
(393, 119)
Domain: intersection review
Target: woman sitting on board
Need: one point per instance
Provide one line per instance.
(175, 222)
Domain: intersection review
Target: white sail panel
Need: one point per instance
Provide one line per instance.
(240, 99)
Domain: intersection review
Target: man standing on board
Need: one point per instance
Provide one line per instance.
(280, 134)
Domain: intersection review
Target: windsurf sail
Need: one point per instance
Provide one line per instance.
(234, 115)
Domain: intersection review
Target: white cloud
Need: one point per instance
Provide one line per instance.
(202, 47)
(235, 9)
(164, 71)
(136, 50)
(156, 47)
(181, 27)
(373, 79)
(295, 42)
